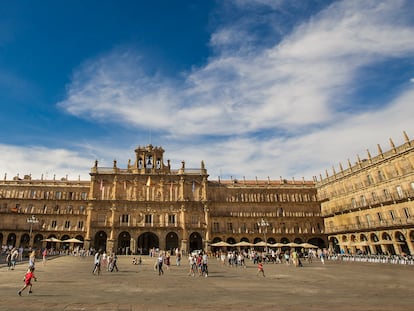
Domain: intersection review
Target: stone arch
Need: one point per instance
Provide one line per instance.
(124, 243)
(25, 240)
(400, 237)
(386, 236)
(335, 244)
(298, 241)
(37, 242)
(11, 240)
(196, 241)
(284, 240)
(79, 237)
(257, 240)
(244, 239)
(231, 240)
(146, 242)
(65, 245)
(216, 240)
(271, 240)
(171, 241)
(100, 240)
(318, 242)
(374, 238)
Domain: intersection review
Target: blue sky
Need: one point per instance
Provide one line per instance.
(264, 88)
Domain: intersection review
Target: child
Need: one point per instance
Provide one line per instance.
(28, 280)
(260, 268)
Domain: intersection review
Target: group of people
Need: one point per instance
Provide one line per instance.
(198, 264)
(11, 258)
(101, 259)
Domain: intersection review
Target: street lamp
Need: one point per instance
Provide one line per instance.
(264, 224)
(31, 220)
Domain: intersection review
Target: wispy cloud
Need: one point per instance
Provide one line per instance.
(295, 89)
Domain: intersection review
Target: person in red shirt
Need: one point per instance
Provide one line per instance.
(260, 268)
(28, 280)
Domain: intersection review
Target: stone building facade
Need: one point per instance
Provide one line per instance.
(149, 204)
(368, 207)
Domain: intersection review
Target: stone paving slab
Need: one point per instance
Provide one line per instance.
(67, 283)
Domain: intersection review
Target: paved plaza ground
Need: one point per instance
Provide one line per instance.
(66, 283)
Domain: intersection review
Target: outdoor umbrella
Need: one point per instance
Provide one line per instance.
(221, 244)
(72, 240)
(308, 245)
(243, 243)
(52, 239)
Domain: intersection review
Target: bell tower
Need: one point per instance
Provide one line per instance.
(149, 160)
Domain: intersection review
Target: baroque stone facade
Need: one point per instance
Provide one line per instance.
(148, 204)
(368, 207)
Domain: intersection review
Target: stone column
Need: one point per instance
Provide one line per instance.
(88, 226)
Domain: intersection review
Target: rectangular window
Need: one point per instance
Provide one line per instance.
(54, 224)
(392, 214)
(379, 216)
(80, 224)
(216, 227)
(380, 176)
(243, 227)
(363, 200)
(357, 220)
(368, 217)
(148, 219)
(194, 220)
(400, 192)
(58, 195)
(406, 212)
(125, 218)
(386, 194)
(32, 194)
(374, 197)
(171, 219)
(229, 226)
(67, 224)
(84, 195)
(101, 218)
(369, 180)
(353, 203)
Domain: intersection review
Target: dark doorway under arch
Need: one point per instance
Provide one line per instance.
(171, 241)
(318, 242)
(124, 243)
(147, 241)
(100, 240)
(196, 241)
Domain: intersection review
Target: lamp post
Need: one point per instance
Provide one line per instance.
(264, 224)
(31, 220)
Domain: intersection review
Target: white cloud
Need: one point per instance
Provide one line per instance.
(293, 90)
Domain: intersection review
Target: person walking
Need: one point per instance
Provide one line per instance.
(160, 262)
(113, 264)
(28, 281)
(97, 262)
(260, 269)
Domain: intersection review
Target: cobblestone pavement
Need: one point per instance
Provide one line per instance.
(67, 283)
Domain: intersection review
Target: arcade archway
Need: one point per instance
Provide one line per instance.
(25, 240)
(100, 240)
(124, 243)
(171, 241)
(11, 240)
(147, 241)
(196, 241)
